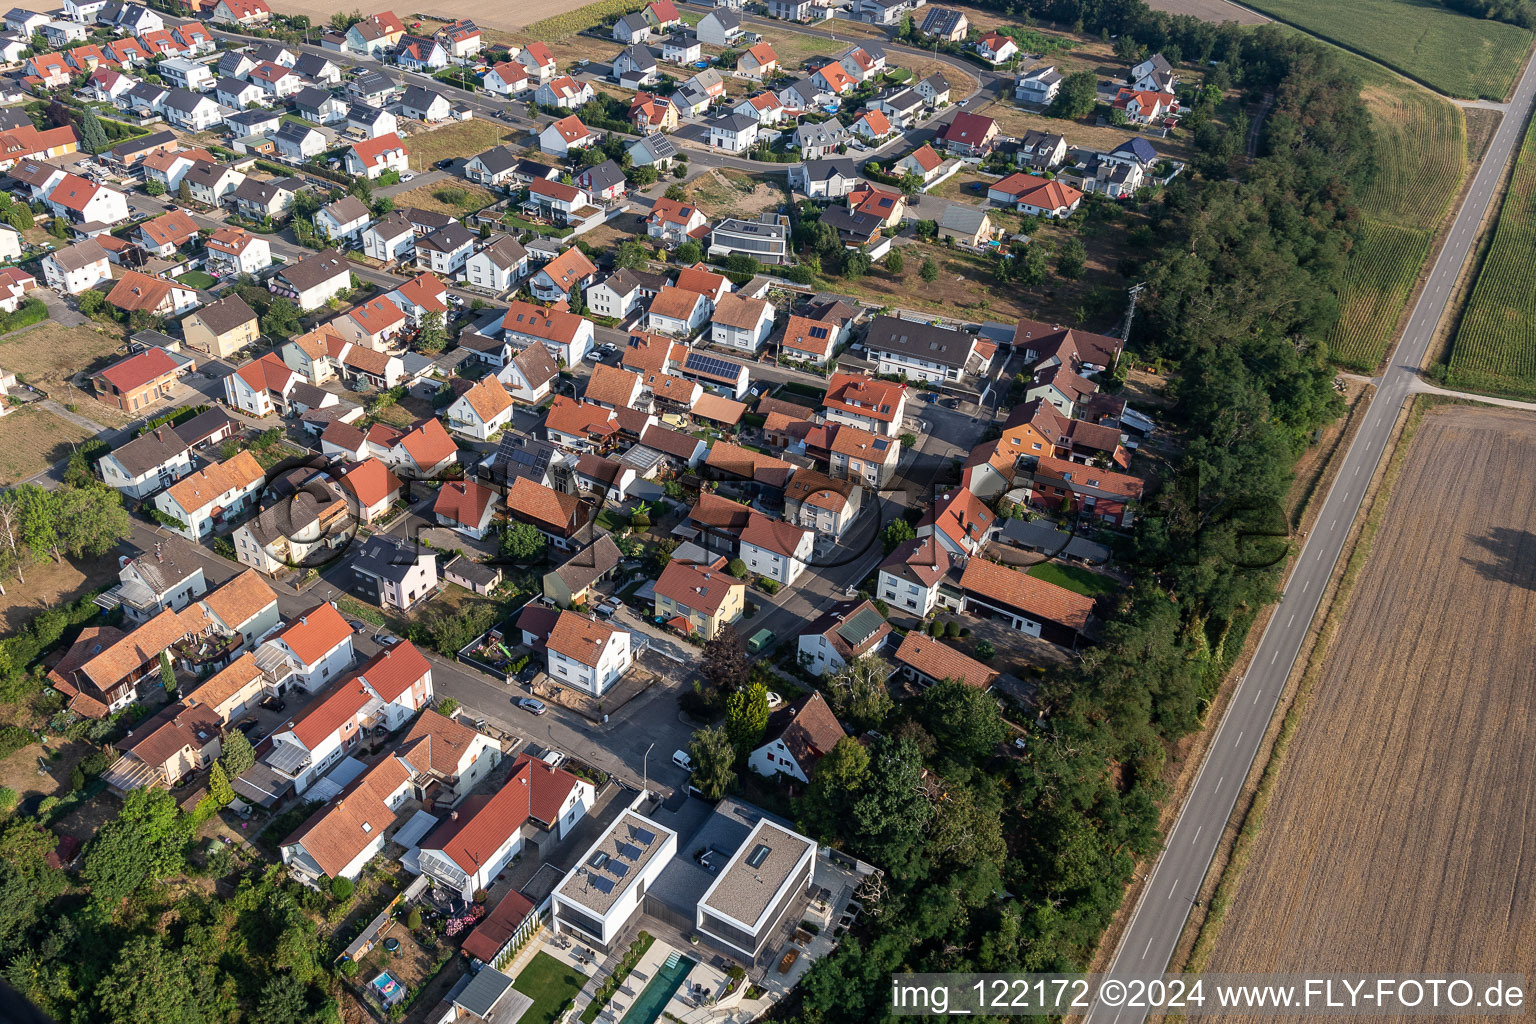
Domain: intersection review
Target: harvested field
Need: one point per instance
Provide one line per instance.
(1392, 843)
(1216, 11)
(32, 439)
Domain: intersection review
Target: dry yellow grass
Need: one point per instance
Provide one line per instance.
(32, 439)
(1393, 841)
(462, 138)
(425, 197)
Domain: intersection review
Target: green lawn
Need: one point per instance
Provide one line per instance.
(551, 984)
(1452, 53)
(1074, 578)
(196, 279)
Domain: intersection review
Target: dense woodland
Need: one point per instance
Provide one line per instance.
(990, 863)
(1018, 864)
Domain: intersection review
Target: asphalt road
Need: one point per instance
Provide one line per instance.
(1176, 877)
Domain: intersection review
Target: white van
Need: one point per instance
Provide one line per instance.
(682, 760)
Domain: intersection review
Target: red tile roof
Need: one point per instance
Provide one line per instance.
(394, 670)
(464, 502)
(940, 661)
(701, 588)
(370, 481)
(1025, 593)
(579, 638)
(315, 633)
(138, 370)
(338, 704)
(548, 506)
(429, 444)
(372, 152)
(864, 396)
(336, 834)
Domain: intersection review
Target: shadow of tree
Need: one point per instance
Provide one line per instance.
(1511, 557)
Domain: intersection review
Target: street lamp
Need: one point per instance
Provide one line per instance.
(646, 768)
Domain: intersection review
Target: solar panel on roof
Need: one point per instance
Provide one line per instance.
(603, 885)
(629, 851)
(701, 363)
(645, 835)
(618, 868)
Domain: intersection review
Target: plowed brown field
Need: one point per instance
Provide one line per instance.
(1396, 838)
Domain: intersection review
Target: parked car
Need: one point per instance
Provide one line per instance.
(531, 705)
(358, 626)
(408, 176)
(385, 639)
(246, 726)
(553, 758)
(274, 703)
(682, 760)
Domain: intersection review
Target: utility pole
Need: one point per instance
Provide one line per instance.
(646, 769)
(1130, 309)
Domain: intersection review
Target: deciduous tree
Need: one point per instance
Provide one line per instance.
(714, 760)
(858, 692)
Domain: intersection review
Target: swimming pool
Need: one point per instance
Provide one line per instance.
(388, 989)
(658, 991)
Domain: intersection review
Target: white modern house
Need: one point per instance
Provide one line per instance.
(597, 899)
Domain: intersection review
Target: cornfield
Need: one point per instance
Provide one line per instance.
(1380, 273)
(563, 26)
(1495, 347)
(1421, 143)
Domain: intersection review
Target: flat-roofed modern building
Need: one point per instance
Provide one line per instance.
(599, 896)
(767, 878)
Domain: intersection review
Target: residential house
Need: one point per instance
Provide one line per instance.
(733, 133)
(1100, 495)
(1033, 606)
(631, 29)
(538, 60)
(527, 374)
(340, 838)
(223, 328)
(418, 53)
(561, 136)
(297, 142)
(392, 573)
(656, 151)
(1037, 86)
(873, 125)
(1155, 74)
(1042, 150)
(277, 81)
(555, 280)
(559, 517)
(765, 107)
(146, 464)
(566, 336)
(996, 48)
(315, 647)
(498, 264)
(798, 736)
(603, 183)
(370, 482)
(237, 251)
(260, 387)
(572, 583)
(960, 521)
(694, 598)
(741, 323)
(927, 662)
(318, 69)
(466, 506)
(863, 62)
(370, 122)
(425, 105)
(650, 113)
(343, 220)
(564, 92)
(816, 141)
(217, 493)
(823, 504)
(493, 167)
(776, 549)
(556, 201)
(419, 296)
(213, 183)
(969, 134)
(1144, 107)
(866, 403)
(506, 79)
(1036, 197)
(461, 38)
(622, 292)
(677, 311)
(946, 24)
(390, 239)
(481, 410)
(180, 73)
(372, 88)
(673, 222)
(587, 655)
(87, 204)
(765, 239)
(314, 280)
(446, 250)
(757, 62)
(913, 575)
(156, 296)
(258, 199)
(240, 12)
(719, 27)
(833, 78)
(925, 351)
(824, 179)
(797, 10)
(372, 325)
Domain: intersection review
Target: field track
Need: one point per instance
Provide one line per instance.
(1396, 838)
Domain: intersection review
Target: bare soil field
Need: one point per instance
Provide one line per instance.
(1209, 10)
(1395, 837)
(50, 355)
(50, 584)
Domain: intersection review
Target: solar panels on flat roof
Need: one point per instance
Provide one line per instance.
(759, 854)
(602, 884)
(618, 868)
(645, 835)
(629, 851)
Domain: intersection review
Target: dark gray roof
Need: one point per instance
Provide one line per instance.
(387, 558)
(346, 209)
(370, 82)
(941, 20)
(311, 98)
(506, 252)
(253, 190)
(233, 86)
(156, 448)
(641, 55)
(658, 146)
(252, 119)
(1044, 535)
(206, 174)
(474, 572)
(315, 269)
(391, 225)
(502, 158)
(919, 339)
(184, 100)
(828, 133)
(268, 52)
(851, 222)
(520, 456)
(295, 132)
(448, 239)
(724, 18)
(634, 22)
(362, 113)
(230, 62)
(205, 424)
(418, 98)
(733, 122)
(937, 82)
(226, 314)
(589, 564)
(825, 170)
(144, 142)
(426, 220)
(491, 997)
(310, 64)
(603, 175)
